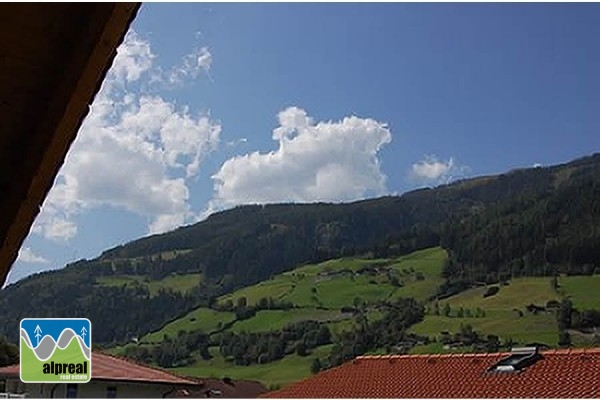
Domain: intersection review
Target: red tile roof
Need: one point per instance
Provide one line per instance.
(558, 374)
(115, 368)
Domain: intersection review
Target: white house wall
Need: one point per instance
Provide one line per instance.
(92, 389)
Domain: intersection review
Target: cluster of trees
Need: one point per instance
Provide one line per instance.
(118, 313)
(172, 352)
(568, 317)
(9, 352)
(535, 233)
(264, 347)
(241, 348)
(467, 336)
(388, 333)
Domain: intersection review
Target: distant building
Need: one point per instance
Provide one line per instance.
(223, 388)
(118, 377)
(522, 373)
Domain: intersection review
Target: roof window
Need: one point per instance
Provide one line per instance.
(520, 358)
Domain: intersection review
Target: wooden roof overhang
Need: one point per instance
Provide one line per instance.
(53, 59)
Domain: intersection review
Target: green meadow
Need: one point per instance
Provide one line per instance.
(319, 291)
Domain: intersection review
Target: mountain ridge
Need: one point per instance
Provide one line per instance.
(480, 222)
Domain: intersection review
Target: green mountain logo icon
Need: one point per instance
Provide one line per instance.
(62, 355)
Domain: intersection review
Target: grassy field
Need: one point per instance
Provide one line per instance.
(582, 290)
(290, 369)
(307, 287)
(429, 262)
(340, 292)
(320, 290)
(501, 317)
(181, 283)
(505, 324)
(304, 287)
(274, 288)
(518, 294)
(201, 319)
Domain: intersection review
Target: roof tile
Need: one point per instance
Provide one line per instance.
(558, 374)
(115, 368)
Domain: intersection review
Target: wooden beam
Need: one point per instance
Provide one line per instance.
(82, 75)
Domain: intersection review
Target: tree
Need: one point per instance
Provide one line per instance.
(357, 302)
(204, 352)
(447, 310)
(301, 349)
(564, 315)
(564, 339)
(263, 303)
(242, 302)
(316, 366)
(323, 336)
(554, 283)
(436, 308)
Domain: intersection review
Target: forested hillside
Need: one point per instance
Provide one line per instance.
(535, 221)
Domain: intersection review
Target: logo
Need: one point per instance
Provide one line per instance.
(56, 350)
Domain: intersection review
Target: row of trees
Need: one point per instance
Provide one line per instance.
(460, 312)
(246, 310)
(264, 347)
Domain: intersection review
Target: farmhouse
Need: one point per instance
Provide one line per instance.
(521, 373)
(112, 377)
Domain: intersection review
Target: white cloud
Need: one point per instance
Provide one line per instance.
(431, 169)
(232, 143)
(193, 64)
(133, 58)
(26, 255)
(324, 161)
(537, 165)
(135, 151)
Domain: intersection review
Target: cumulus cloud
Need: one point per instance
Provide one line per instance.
(324, 161)
(135, 150)
(431, 169)
(26, 255)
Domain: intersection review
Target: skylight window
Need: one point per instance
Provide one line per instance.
(520, 358)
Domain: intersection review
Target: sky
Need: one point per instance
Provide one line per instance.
(209, 106)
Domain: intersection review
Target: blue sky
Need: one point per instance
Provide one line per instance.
(212, 105)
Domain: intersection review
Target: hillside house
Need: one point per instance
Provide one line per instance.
(522, 373)
(223, 388)
(112, 377)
